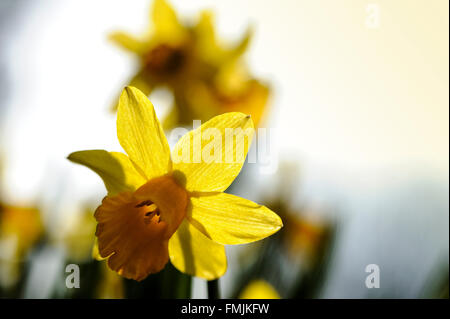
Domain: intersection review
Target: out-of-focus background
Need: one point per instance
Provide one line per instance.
(359, 111)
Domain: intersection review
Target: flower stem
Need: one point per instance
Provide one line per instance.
(213, 289)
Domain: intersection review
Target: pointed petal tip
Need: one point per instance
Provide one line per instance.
(72, 156)
(127, 89)
(280, 222)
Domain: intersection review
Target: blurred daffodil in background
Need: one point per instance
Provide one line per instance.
(20, 229)
(259, 289)
(303, 237)
(205, 77)
(21, 223)
(164, 205)
(295, 260)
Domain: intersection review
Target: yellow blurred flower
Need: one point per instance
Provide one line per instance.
(20, 228)
(259, 289)
(307, 231)
(21, 223)
(304, 236)
(160, 207)
(231, 90)
(187, 58)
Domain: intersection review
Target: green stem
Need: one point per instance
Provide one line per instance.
(213, 289)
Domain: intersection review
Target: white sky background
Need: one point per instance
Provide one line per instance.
(364, 111)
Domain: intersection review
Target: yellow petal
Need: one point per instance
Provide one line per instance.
(115, 169)
(242, 45)
(208, 46)
(231, 220)
(259, 289)
(211, 156)
(129, 42)
(141, 134)
(194, 254)
(166, 24)
(206, 43)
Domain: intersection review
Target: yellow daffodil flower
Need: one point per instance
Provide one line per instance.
(259, 289)
(165, 53)
(161, 206)
(189, 60)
